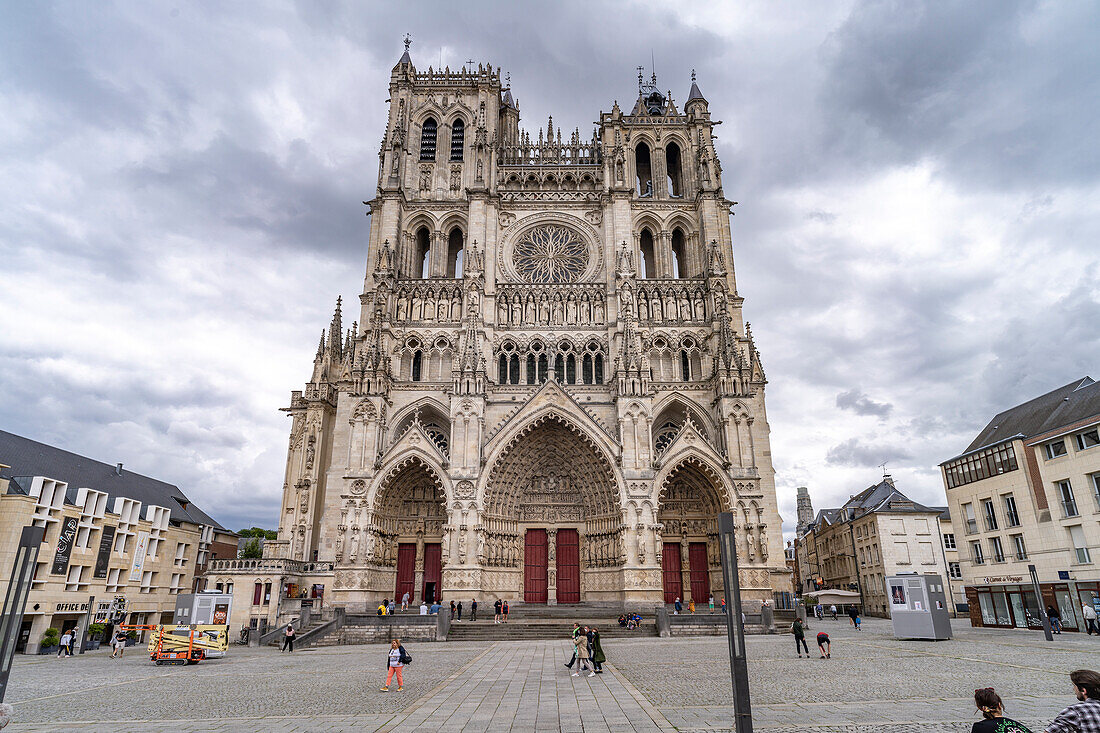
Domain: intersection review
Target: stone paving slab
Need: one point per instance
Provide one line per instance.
(873, 684)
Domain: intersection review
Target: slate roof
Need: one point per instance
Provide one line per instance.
(882, 497)
(695, 93)
(1064, 406)
(29, 458)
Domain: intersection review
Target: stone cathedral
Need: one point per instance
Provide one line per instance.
(550, 392)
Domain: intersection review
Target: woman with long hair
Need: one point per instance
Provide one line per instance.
(992, 708)
(396, 659)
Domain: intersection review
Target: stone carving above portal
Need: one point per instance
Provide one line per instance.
(464, 490)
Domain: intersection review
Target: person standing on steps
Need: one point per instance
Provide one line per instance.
(396, 659)
(799, 632)
(391, 608)
(405, 601)
(496, 611)
(288, 637)
(452, 610)
(596, 650)
(473, 609)
(677, 606)
(710, 602)
(460, 610)
(504, 609)
(573, 641)
(691, 606)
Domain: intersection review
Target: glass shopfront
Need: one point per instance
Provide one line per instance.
(1015, 606)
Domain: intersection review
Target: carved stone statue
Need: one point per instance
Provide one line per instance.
(354, 552)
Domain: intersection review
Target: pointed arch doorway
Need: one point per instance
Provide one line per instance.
(690, 557)
(409, 517)
(555, 492)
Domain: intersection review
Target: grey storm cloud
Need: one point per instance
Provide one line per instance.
(861, 404)
(181, 188)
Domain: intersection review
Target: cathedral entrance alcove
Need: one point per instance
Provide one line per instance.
(688, 514)
(409, 518)
(553, 493)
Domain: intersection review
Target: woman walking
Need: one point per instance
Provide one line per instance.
(396, 660)
(991, 707)
(598, 657)
(580, 643)
(118, 643)
(799, 632)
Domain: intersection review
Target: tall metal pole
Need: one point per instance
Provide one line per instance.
(26, 555)
(739, 666)
(87, 623)
(1039, 600)
(855, 565)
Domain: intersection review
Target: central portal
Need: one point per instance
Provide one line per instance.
(553, 493)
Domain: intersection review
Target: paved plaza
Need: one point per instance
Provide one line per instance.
(873, 683)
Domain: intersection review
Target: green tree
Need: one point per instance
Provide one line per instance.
(267, 534)
(252, 550)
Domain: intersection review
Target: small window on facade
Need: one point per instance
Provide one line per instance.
(599, 369)
(427, 139)
(458, 134)
(571, 369)
(648, 258)
(502, 370)
(679, 254)
(685, 366)
(421, 261)
(513, 369)
(1055, 449)
(531, 375)
(587, 369)
(1088, 439)
(417, 364)
(644, 170)
(675, 170)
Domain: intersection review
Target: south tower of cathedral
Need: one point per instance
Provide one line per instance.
(550, 393)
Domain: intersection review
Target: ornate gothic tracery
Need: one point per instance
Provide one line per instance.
(550, 254)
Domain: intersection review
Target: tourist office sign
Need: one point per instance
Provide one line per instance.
(992, 579)
(65, 542)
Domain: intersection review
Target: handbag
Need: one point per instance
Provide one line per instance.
(406, 658)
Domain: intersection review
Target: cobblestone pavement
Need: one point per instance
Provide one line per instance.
(873, 684)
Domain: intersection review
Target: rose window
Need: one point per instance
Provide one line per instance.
(550, 254)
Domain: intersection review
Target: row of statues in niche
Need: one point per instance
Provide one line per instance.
(671, 304)
(428, 304)
(575, 307)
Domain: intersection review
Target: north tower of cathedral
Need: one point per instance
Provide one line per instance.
(550, 393)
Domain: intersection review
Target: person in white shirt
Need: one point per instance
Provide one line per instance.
(423, 608)
(405, 601)
(1089, 613)
(65, 648)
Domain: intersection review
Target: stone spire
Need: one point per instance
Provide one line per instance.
(335, 332)
(805, 511)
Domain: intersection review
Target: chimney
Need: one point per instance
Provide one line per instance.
(118, 469)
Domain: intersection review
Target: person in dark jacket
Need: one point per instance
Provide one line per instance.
(595, 650)
(460, 610)
(452, 610)
(473, 609)
(1055, 617)
(496, 611)
(504, 608)
(799, 632)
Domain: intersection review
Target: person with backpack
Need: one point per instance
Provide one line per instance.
(496, 611)
(799, 632)
(396, 659)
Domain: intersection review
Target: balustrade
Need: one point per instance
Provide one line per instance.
(268, 565)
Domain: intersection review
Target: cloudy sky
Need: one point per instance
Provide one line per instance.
(917, 236)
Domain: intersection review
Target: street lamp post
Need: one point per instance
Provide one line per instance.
(739, 667)
(26, 555)
(1039, 600)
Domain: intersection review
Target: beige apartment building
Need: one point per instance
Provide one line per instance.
(126, 543)
(1027, 492)
(877, 533)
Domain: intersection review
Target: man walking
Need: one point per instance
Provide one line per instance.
(496, 611)
(1088, 610)
(473, 609)
(1084, 716)
(832, 610)
(288, 637)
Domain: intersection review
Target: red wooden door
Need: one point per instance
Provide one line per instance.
(433, 571)
(700, 576)
(534, 566)
(569, 566)
(672, 577)
(406, 571)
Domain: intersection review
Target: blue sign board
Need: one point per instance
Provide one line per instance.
(1063, 575)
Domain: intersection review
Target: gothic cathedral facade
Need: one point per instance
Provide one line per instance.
(550, 393)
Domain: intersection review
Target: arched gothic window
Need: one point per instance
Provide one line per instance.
(674, 163)
(644, 170)
(458, 135)
(685, 366)
(679, 254)
(648, 258)
(421, 262)
(417, 365)
(508, 365)
(454, 253)
(664, 436)
(427, 139)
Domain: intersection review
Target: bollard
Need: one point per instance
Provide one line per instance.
(664, 626)
(767, 619)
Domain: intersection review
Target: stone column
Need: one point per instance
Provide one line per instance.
(418, 576)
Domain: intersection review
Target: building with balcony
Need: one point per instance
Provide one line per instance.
(1026, 491)
(129, 542)
(550, 392)
(877, 533)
